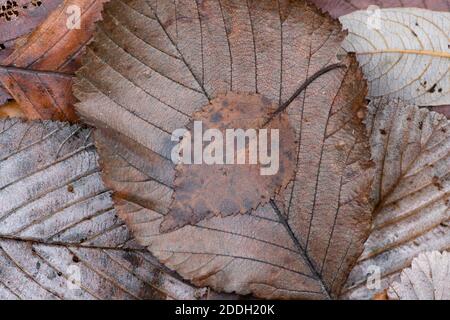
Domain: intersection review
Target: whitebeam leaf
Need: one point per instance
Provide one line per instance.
(427, 279)
(404, 53)
(56, 216)
(411, 149)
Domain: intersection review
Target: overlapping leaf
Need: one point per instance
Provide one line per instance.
(427, 279)
(338, 8)
(57, 220)
(411, 149)
(153, 63)
(404, 53)
(38, 73)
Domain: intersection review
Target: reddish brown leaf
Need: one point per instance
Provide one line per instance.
(154, 64)
(38, 73)
(20, 17)
(338, 8)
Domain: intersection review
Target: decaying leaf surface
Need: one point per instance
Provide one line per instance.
(427, 279)
(56, 215)
(199, 189)
(338, 8)
(411, 149)
(18, 18)
(4, 96)
(38, 73)
(153, 64)
(403, 55)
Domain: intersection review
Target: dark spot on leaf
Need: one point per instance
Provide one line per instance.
(437, 183)
(383, 132)
(433, 88)
(75, 259)
(70, 188)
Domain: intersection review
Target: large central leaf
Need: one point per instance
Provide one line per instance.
(153, 64)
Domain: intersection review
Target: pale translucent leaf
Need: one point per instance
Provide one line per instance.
(404, 53)
(427, 279)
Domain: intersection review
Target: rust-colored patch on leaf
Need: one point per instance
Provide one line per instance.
(207, 190)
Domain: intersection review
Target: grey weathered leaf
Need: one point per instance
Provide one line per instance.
(56, 215)
(338, 8)
(404, 53)
(427, 279)
(152, 64)
(411, 149)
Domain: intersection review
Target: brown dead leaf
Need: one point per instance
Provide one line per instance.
(153, 64)
(4, 96)
(411, 150)
(56, 216)
(38, 73)
(10, 110)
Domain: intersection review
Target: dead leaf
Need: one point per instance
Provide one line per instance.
(411, 149)
(199, 190)
(38, 73)
(57, 221)
(11, 110)
(405, 56)
(338, 8)
(153, 64)
(18, 18)
(4, 96)
(427, 279)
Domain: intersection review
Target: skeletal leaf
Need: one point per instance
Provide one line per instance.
(58, 224)
(153, 64)
(427, 279)
(404, 53)
(38, 73)
(338, 8)
(411, 149)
